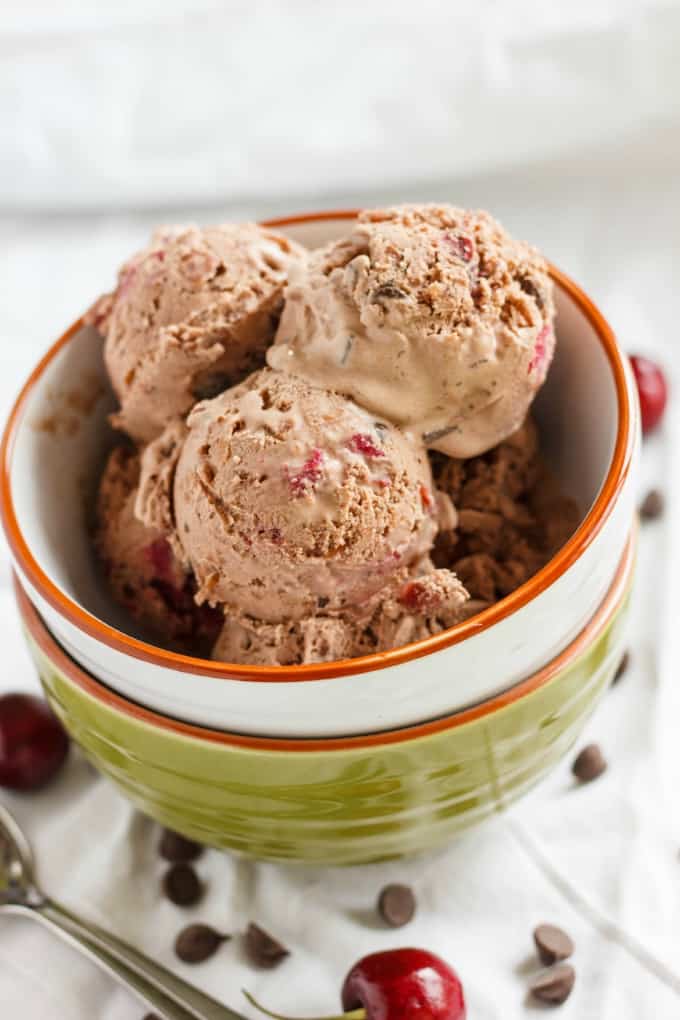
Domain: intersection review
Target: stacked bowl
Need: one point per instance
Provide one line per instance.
(341, 762)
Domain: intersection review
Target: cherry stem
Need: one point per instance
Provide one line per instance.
(354, 1014)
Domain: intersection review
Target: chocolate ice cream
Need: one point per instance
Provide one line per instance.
(191, 314)
(289, 498)
(142, 572)
(512, 516)
(415, 609)
(430, 316)
(298, 514)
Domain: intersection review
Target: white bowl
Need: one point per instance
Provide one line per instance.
(54, 445)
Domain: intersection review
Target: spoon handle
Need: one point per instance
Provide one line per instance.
(174, 998)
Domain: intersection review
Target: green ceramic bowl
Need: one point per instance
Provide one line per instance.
(338, 801)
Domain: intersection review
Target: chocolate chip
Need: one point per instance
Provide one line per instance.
(552, 944)
(432, 437)
(589, 763)
(652, 506)
(263, 950)
(198, 942)
(621, 668)
(347, 351)
(529, 287)
(387, 290)
(182, 885)
(152, 1016)
(554, 986)
(178, 849)
(396, 905)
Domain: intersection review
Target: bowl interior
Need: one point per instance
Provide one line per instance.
(63, 437)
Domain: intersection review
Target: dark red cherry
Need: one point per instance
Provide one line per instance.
(33, 744)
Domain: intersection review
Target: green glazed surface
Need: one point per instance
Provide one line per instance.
(346, 805)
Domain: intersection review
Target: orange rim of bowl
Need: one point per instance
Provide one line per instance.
(125, 643)
(598, 623)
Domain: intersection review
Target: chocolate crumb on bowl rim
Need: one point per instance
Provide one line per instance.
(598, 625)
(544, 578)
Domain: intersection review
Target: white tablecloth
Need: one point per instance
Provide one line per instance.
(602, 861)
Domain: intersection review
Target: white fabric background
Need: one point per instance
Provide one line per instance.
(150, 101)
(564, 122)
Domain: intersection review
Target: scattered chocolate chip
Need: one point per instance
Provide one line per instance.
(396, 905)
(182, 885)
(621, 668)
(554, 986)
(263, 950)
(552, 944)
(178, 849)
(652, 505)
(589, 764)
(198, 942)
(387, 290)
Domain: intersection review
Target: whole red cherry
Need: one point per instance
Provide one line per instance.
(652, 390)
(404, 984)
(33, 744)
(398, 984)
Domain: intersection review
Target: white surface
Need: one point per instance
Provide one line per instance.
(610, 215)
(129, 104)
(579, 413)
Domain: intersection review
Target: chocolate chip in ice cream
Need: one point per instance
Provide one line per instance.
(552, 944)
(437, 434)
(182, 886)
(388, 290)
(347, 351)
(396, 905)
(554, 986)
(198, 942)
(262, 948)
(531, 288)
(589, 763)
(178, 849)
(652, 506)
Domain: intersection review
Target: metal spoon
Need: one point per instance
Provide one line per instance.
(169, 996)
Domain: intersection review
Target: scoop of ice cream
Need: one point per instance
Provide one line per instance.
(154, 500)
(143, 574)
(192, 313)
(288, 497)
(418, 608)
(430, 316)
